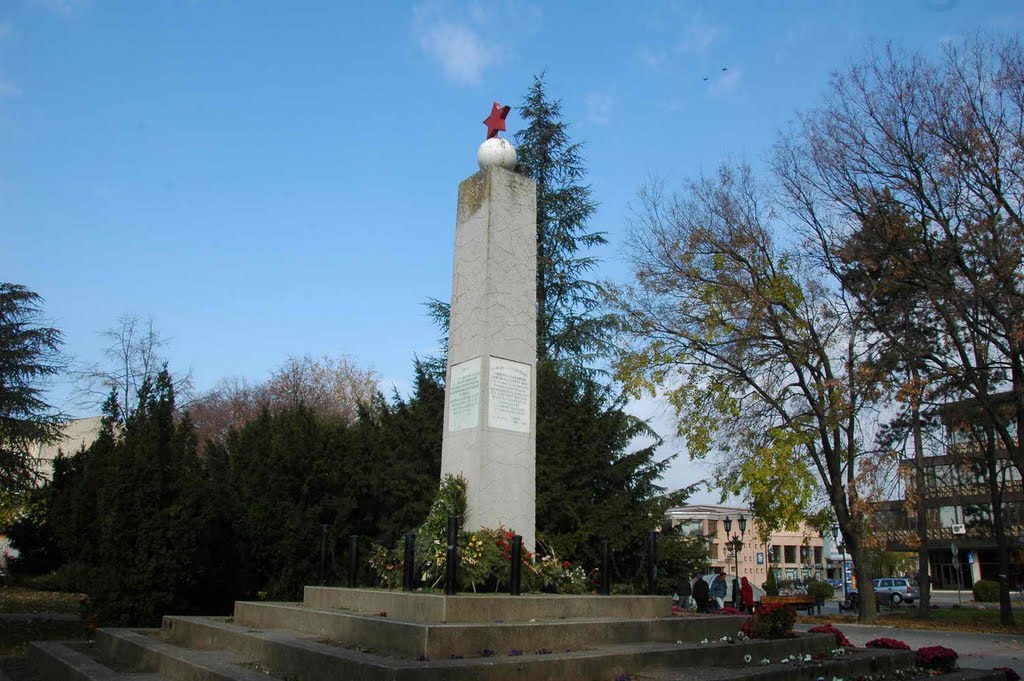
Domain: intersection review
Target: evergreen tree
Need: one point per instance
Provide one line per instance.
(568, 324)
(133, 511)
(29, 353)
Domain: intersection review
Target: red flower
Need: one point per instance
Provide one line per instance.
(841, 639)
(566, 565)
(936, 657)
(890, 643)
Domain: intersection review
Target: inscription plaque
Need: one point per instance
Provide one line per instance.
(508, 406)
(464, 396)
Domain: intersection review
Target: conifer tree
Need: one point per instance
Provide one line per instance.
(29, 352)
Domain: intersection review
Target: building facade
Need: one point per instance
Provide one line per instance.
(792, 554)
(958, 507)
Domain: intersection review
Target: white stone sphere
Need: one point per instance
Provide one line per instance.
(496, 151)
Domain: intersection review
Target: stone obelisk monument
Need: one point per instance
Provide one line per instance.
(491, 388)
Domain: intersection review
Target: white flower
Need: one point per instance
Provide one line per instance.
(724, 638)
(746, 658)
(784, 660)
(837, 678)
(679, 643)
(704, 641)
(807, 658)
(765, 660)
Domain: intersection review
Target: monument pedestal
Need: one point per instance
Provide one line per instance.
(490, 396)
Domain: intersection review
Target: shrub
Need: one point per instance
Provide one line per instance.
(728, 610)
(986, 591)
(771, 585)
(841, 639)
(1011, 675)
(938, 658)
(889, 643)
(774, 620)
(72, 577)
(821, 590)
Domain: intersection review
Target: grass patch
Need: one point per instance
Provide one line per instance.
(19, 599)
(943, 619)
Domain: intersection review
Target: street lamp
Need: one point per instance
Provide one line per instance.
(842, 558)
(736, 542)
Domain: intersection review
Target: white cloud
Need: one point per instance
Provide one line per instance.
(464, 42)
(599, 107)
(725, 84)
(64, 8)
(682, 34)
(8, 88)
(459, 50)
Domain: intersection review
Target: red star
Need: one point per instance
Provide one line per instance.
(496, 121)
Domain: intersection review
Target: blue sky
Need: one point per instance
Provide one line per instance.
(267, 179)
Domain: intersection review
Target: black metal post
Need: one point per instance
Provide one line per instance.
(323, 551)
(451, 586)
(409, 565)
(353, 561)
(517, 565)
(652, 563)
(605, 574)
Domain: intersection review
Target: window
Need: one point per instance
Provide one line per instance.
(817, 554)
(775, 555)
(712, 527)
(790, 554)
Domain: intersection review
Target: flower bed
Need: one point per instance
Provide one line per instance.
(841, 639)
(938, 658)
(890, 643)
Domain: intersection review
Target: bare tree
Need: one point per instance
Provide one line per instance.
(133, 355)
(334, 386)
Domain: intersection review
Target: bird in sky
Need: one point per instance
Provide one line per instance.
(724, 69)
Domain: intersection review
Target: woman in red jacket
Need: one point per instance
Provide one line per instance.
(747, 596)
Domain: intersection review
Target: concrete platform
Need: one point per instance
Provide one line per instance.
(311, 642)
(438, 608)
(434, 641)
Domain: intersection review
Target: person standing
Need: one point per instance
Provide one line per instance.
(701, 594)
(719, 590)
(685, 590)
(746, 596)
(736, 602)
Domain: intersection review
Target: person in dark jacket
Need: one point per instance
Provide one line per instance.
(736, 602)
(701, 594)
(685, 591)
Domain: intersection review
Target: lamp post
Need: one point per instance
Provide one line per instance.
(736, 542)
(842, 558)
(711, 544)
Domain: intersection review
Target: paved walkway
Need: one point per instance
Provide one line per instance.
(980, 651)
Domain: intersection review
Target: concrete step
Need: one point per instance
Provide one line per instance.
(284, 652)
(73, 661)
(434, 641)
(144, 650)
(468, 608)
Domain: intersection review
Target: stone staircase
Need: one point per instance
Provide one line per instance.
(389, 636)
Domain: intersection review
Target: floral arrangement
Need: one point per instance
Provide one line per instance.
(938, 658)
(549, 574)
(728, 610)
(1011, 675)
(841, 639)
(890, 643)
(387, 565)
(485, 556)
(774, 620)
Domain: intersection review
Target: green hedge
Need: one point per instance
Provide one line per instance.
(821, 589)
(986, 591)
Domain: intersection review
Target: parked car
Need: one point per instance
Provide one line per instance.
(897, 589)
